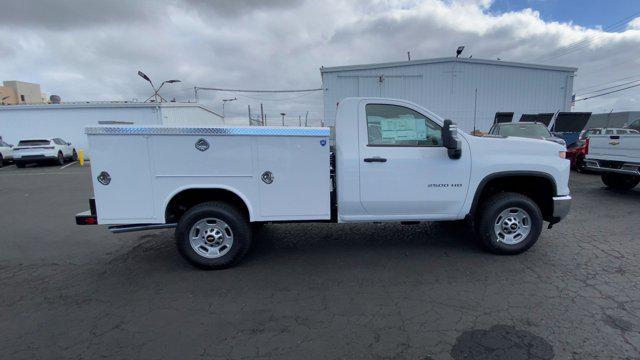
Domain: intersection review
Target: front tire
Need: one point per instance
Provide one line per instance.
(213, 235)
(509, 223)
(20, 164)
(74, 157)
(1, 161)
(620, 181)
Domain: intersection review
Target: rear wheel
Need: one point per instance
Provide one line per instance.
(580, 165)
(620, 181)
(74, 157)
(213, 235)
(509, 223)
(1, 161)
(20, 164)
(60, 160)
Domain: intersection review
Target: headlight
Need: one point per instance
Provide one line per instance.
(563, 154)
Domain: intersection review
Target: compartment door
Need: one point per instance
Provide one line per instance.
(300, 178)
(128, 197)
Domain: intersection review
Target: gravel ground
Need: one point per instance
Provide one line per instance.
(314, 290)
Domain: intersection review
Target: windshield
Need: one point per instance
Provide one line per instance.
(33, 142)
(524, 130)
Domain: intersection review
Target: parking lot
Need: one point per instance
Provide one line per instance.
(314, 290)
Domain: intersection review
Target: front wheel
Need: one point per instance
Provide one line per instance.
(509, 223)
(213, 235)
(620, 181)
(20, 164)
(74, 157)
(1, 161)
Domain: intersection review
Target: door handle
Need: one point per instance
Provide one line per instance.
(375, 159)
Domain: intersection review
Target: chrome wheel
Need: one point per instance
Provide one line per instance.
(211, 238)
(512, 226)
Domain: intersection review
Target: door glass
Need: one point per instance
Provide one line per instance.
(393, 125)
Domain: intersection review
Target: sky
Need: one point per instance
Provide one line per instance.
(87, 50)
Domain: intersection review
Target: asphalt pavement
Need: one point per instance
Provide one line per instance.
(314, 291)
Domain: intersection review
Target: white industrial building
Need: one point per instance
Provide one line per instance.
(67, 121)
(447, 86)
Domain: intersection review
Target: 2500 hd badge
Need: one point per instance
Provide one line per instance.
(444, 185)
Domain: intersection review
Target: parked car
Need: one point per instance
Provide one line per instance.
(616, 158)
(531, 130)
(42, 151)
(6, 152)
(577, 153)
(394, 161)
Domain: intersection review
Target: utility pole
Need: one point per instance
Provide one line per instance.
(249, 109)
(261, 114)
(299, 120)
(283, 114)
(475, 106)
(306, 117)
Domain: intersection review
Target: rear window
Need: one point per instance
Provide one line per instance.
(33, 142)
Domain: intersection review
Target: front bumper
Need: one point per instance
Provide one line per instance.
(561, 207)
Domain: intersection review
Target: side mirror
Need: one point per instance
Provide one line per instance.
(450, 140)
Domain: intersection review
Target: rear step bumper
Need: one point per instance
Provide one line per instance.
(89, 217)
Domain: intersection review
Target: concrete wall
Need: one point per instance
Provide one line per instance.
(29, 91)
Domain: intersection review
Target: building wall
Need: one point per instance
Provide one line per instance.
(24, 92)
(448, 89)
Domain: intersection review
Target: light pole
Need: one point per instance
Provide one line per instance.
(156, 93)
(224, 101)
(283, 114)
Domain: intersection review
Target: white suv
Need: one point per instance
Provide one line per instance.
(6, 152)
(43, 150)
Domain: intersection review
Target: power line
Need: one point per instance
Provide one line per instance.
(608, 88)
(257, 91)
(607, 83)
(578, 45)
(607, 93)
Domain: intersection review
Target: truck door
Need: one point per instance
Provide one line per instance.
(405, 172)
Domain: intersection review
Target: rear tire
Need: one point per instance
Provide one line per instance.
(1, 161)
(74, 157)
(60, 160)
(213, 235)
(620, 181)
(20, 164)
(580, 165)
(509, 223)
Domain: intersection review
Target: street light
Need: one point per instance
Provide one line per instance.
(224, 101)
(283, 114)
(459, 50)
(156, 93)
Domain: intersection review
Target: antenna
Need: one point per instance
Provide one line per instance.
(475, 106)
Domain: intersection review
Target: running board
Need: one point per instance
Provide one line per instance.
(118, 229)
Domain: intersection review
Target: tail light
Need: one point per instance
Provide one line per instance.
(586, 147)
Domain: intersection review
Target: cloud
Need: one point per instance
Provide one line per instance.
(92, 52)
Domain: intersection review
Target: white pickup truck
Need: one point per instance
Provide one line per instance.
(393, 161)
(616, 158)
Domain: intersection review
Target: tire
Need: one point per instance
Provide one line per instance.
(213, 224)
(580, 165)
(1, 161)
(495, 215)
(20, 164)
(60, 160)
(620, 181)
(74, 157)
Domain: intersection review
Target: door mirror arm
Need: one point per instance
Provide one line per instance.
(450, 140)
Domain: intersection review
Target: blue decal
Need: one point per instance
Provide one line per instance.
(323, 142)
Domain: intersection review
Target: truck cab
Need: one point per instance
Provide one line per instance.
(393, 161)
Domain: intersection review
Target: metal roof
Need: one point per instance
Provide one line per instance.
(105, 104)
(444, 60)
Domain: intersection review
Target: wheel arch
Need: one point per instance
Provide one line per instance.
(518, 181)
(188, 196)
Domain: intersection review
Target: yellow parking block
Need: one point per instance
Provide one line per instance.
(81, 157)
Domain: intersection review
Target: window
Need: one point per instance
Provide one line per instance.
(608, 132)
(22, 98)
(503, 117)
(393, 125)
(621, 132)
